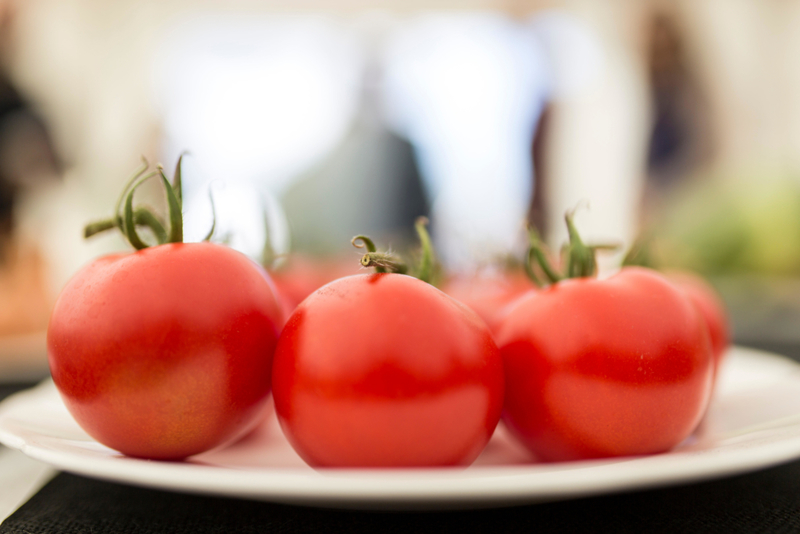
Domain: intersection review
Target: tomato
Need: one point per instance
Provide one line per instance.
(384, 370)
(166, 352)
(699, 291)
(488, 295)
(302, 276)
(598, 368)
(710, 306)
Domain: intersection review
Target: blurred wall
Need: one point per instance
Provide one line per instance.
(87, 64)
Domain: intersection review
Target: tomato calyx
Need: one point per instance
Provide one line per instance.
(427, 268)
(641, 253)
(269, 258)
(539, 256)
(127, 218)
(579, 259)
(384, 262)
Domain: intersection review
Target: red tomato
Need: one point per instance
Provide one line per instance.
(384, 370)
(166, 352)
(711, 308)
(598, 368)
(302, 276)
(488, 296)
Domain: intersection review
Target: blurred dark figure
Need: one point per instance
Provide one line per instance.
(537, 215)
(27, 159)
(679, 141)
(26, 152)
(370, 184)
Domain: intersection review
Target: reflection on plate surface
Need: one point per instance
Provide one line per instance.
(753, 422)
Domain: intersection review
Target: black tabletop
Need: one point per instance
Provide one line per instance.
(764, 501)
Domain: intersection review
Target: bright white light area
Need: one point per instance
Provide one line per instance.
(256, 101)
(574, 54)
(467, 89)
(600, 123)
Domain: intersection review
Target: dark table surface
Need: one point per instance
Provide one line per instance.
(765, 501)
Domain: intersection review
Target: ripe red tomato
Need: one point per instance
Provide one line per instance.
(488, 295)
(384, 370)
(710, 307)
(166, 352)
(302, 276)
(598, 368)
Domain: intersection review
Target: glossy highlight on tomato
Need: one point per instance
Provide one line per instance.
(599, 368)
(166, 352)
(384, 370)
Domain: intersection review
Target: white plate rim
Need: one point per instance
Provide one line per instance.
(425, 488)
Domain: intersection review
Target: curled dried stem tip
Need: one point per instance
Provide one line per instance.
(384, 261)
(362, 241)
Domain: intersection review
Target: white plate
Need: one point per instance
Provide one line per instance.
(753, 423)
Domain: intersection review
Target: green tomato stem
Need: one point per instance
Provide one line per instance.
(177, 180)
(427, 263)
(268, 251)
(175, 210)
(97, 227)
(362, 241)
(383, 262)
(126, 218)
(128, 184)
(210, 233)
(640, 253)
(128, 224)
(581, 261)
(536, 251)
(144, 217)
(578, 257)
(528, 263)
(365, 242)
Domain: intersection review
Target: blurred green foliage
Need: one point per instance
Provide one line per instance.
(742, 225)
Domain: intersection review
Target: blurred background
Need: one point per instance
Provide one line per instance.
(674, 120)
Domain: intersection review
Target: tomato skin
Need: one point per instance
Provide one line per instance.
(599, 368)
(383, 370)
(166, 352)
(488, 295)
(710, 306)
(302, 276)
